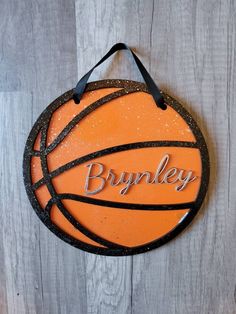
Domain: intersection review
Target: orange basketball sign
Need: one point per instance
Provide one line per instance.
(115, 175)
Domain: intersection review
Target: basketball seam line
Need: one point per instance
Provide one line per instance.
(121, 205)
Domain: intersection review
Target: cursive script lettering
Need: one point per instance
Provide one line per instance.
(96, 171)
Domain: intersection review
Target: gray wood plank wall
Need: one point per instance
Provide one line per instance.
(189, 48)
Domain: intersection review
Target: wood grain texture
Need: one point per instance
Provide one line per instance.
(20, 255)
(189, 49)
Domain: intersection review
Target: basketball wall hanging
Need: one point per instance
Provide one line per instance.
(116, 167)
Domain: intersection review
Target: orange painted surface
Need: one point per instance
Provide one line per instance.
(128, 119)
(59, 220)
(43, 195)
(36, 170)
(127, 227)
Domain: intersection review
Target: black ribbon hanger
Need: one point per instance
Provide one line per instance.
(151, 85)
